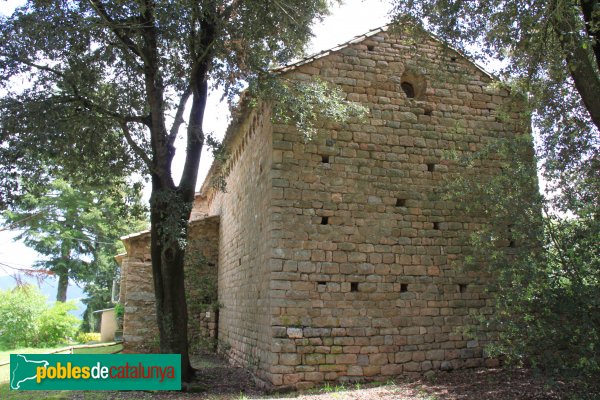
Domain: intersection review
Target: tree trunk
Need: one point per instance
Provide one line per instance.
(580, 65)
(169, 214)
(63, 284)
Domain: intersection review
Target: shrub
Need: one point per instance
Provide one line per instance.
(86, 337)
(26, 320)
(19, 311)
(119, 310)
(546, 267)
(56, 324)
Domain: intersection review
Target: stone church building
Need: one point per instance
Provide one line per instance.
(336, 259)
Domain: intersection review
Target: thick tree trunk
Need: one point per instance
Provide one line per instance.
(587, 82)
(580, 61)
(169, 216)
(63, 284)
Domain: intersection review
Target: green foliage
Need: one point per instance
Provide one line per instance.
(544, 47)
(26, 320)
(95, 80)
(19, 310)
(174, 211)
(119, 310)
(547, 292)
(550, 51)
(547, 269)
(304, 103)
(77, 230)
(56, 324)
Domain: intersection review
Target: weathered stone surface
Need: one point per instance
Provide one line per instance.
(140, 330)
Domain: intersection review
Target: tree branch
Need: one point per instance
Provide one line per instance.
(135, 147)
(179, 115)
(162, 152)
(89, 104)
(579, 64)
(566, 266)
(112, 25)
(33, 64)
(76, 92)
(199, 85)
(227, 12)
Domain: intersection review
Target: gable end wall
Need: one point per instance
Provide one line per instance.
(377, 290)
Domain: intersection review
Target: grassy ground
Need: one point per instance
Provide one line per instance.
(5, 355)
(216, 380)
(100, 350)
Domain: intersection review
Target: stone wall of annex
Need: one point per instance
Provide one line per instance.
(140, 330)
(365, 268)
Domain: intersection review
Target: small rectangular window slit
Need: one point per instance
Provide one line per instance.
(403, 287)
(400, 202)
(436, 226)
(430, 167)
(370, 47)
(324, 220)
(325, 159)
(462, 287)
(354, 286)
(321, 283)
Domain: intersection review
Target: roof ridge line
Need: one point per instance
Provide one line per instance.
(323, 53)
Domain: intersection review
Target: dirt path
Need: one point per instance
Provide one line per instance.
(216, 380)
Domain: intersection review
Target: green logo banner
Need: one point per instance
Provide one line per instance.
(95, 372)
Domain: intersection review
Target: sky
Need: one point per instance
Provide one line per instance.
(350, 19)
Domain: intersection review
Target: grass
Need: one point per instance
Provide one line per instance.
(100, 350)
(5, 355)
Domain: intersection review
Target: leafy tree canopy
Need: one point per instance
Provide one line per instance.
(76, 230)
(543, 251)
(549, 50)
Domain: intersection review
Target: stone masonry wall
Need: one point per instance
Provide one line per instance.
(140, 331)
(366, 279)
(202, 255)
(337, 259)
(244, 208)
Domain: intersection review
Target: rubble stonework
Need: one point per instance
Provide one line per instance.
(336, 261)
(140, 330)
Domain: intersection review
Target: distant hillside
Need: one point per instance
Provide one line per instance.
(48, 288)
